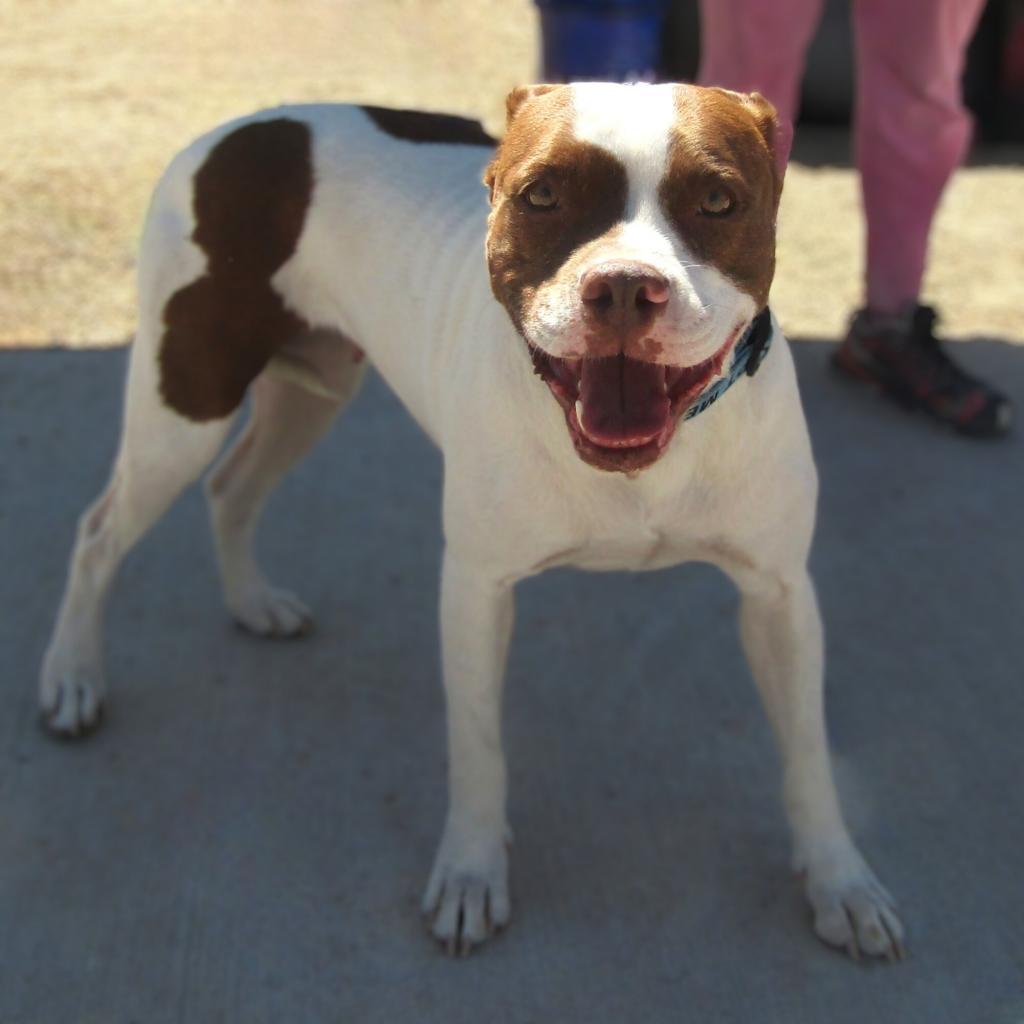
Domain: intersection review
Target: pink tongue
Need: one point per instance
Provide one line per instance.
(624, 401)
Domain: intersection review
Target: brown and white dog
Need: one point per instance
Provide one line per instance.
(630, 247)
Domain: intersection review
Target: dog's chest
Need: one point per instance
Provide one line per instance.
(619, 525)
(651, 549)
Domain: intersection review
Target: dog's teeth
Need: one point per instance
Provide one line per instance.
(579, 411)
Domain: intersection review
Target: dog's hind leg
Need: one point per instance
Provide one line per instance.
(295, 400)
(161, 452)
(227, 216)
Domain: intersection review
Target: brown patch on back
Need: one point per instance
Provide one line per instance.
(250, 200)
(421, 126)
(525, 246)
(726, 139)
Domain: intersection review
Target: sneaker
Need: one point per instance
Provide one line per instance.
(900, 355)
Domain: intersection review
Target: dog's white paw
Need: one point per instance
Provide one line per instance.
(852, 909)
(467, 896)
(267, 611)
(71, 699)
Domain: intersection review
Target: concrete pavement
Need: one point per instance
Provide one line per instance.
(246, 838)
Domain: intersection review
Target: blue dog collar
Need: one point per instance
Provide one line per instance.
(747, 357)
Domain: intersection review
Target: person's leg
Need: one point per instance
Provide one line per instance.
(752, 46)
(911, 131)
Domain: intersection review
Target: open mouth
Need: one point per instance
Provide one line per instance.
(622, 412)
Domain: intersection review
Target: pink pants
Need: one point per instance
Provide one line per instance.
(911, 129)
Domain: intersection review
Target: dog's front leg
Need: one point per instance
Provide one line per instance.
(782, 637)
(467, 895)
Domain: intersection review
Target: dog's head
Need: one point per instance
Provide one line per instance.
(632, 240)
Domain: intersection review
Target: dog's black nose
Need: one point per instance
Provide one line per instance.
(624, 294)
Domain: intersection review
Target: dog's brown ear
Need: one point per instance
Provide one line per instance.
(777, 134)
(518, 96)
(515, 100)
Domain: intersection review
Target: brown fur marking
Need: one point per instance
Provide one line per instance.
(422, 126)
(250, 200)
(526, 246)
(725, 139)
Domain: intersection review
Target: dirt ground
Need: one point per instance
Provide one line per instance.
(97, 95)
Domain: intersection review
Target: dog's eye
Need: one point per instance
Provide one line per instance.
(541, 196)
(717, 202)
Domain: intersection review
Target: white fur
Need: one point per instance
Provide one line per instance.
(392, 257)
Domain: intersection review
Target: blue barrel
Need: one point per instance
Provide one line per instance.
(607, 40)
